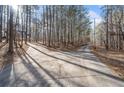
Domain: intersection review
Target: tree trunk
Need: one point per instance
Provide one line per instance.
(1, 12)
(11, 38)
(107, 29)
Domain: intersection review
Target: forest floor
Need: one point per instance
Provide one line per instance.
(115, 60)
(2, 53)
(38, 66)
(6, 58)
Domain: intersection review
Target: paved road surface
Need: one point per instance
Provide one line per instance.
(42, 67)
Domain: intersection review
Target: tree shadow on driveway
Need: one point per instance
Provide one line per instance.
(5, 72)
(47, 72)
(33, 70)
(81, 66)
(27, 61)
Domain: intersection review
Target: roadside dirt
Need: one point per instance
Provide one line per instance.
(6, 58)
(115, 60)
(2, 52)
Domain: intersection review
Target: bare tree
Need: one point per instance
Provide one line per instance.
(11, 38)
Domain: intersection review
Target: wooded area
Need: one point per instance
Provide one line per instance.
(109, 37)
(111, 29)
(41, 45)
(53, 26)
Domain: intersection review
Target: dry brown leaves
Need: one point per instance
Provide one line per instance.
(115, 60)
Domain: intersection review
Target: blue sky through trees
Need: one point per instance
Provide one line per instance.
(95, 12)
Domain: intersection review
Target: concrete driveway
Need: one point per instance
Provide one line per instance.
(42, 67)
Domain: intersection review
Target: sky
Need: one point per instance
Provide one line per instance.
(94, 12)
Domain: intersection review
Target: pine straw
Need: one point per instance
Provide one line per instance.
(6, 58)
(19, 49)
(114, 60)
(2, 45)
